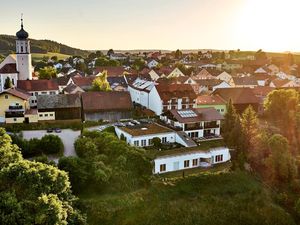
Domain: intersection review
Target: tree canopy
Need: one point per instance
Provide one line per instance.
(100, 83)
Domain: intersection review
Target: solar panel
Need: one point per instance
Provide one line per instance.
(187, 114)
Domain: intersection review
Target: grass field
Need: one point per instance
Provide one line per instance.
(39, 56)
(231, 198)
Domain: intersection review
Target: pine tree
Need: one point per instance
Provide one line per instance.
(8, 84)
(249, 126)
(229, 124)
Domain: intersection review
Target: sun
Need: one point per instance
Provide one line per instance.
(269, 24)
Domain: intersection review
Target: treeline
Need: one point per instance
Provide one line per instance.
(8, 45)
(269, 146)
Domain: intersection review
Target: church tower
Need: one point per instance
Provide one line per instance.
(24, 66)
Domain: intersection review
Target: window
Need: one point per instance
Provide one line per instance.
(150, 142)
(41, 115)
(144, 143)
(46, 115)
(15, 119)
(44, 92)
(32, 101)
(51, 114)
(162, 167)
(21, 49)
(52, 92)
(186, 163)
(136, 143)
(6, 96)
(164, 140)
(36, 93)
(32, 94)
(195, 162)
(13, 81)
(222, 110)
(219, 158)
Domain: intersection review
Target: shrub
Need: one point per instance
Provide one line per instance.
(51, 144)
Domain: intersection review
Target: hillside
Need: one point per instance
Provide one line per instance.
(8, 45)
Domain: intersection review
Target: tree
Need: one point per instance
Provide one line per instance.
(110, 52)
(249, 125)
(8, 84)
(156, 142)
(100, 83)
(178, 54)
(81, 66)
(54, 58)
(51, 144)
(230, 120)
(47, 73)
(280, 164)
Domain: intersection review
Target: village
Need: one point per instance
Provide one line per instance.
(167, 100)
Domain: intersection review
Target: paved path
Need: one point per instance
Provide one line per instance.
(67, 136)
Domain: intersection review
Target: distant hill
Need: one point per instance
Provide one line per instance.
(8, 45)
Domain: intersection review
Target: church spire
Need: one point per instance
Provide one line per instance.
(22, 34)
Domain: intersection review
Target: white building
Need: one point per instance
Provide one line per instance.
(17, 67)
(152, 64)
(139, 91)
(190, 158)
(196, 123)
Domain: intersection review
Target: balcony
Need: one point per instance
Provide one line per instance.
(14, 114)
(211, 125)
(188, 127)
(15, 107)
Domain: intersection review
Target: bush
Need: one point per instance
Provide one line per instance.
(51, 144)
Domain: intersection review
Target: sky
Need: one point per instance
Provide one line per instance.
(271, 25)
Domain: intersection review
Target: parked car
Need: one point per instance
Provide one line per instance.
(49, 130)
(57, 130)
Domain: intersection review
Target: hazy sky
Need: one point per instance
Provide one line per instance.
(159, 24)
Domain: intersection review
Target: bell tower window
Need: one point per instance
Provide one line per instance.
(21, 49)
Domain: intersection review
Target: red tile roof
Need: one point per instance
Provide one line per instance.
(37, 85)
(83, 81)
(167, 92)
(17, 92)
(210, 100)
(106, 101)
(9, 68)
(237, 95)
(111, 71)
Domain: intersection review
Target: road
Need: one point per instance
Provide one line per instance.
(67, 136)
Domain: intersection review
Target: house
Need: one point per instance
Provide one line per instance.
(141, 134)
(15, 107)
(196, 123)
(224, 76)
(261, 92)
(38, 87)
(240, 82)
(108, 106)
(203, 75)
(278, 83)
(240, 97)
(152, 63)
(208, 85)
(165, 72)
(139, 91)
(175, 73)
(59, 107)
(85, 83)
(8, 71)
(215, 101)
(273, 69)
(262, 79)
(72, 89)
(117, 83)
(188, 158)
(165, 97)
(117, 56)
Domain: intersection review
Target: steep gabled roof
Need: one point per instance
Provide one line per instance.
(17, 92)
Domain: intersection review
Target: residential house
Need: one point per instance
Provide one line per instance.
(188, 158)
(174, 96)
(203, 75)
(72, 89)
(240, 97)
(152, 63)
(112, 71)
(196, 123)
(208, 85)
(273, 69)
(215, 101)
(117, 56)
(38, 87)
(240, 82)
(278, 83)
(15, 107)
(85, 83)
(108, 106)
(139, 91)
(226, 77)
(59, 107)
(117, 83)
(141, 134)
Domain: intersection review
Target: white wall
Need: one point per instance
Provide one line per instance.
(171, 159)
(155, 103)
(46, 115)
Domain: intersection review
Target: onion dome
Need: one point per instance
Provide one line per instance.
(22, 34)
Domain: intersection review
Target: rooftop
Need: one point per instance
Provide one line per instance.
(146, 129)
(37, 85)
(58, 101)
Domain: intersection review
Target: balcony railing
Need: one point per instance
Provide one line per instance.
(210, 126)
(15, 107)
(196, 127)
(14, 114)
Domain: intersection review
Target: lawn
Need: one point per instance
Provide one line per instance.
(230, 198)
(39, 56)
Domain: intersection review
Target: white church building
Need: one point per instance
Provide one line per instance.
(17, 66)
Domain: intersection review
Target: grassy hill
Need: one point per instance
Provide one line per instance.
(234, 198)
(8, 45)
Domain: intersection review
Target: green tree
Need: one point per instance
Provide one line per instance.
(156, 142)
(178, 54)
(47, 73)
(110, 52)
(280, 164)
(100, 83)
(51, 144)
(8, 84)
(249, 125)
(230, 120)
